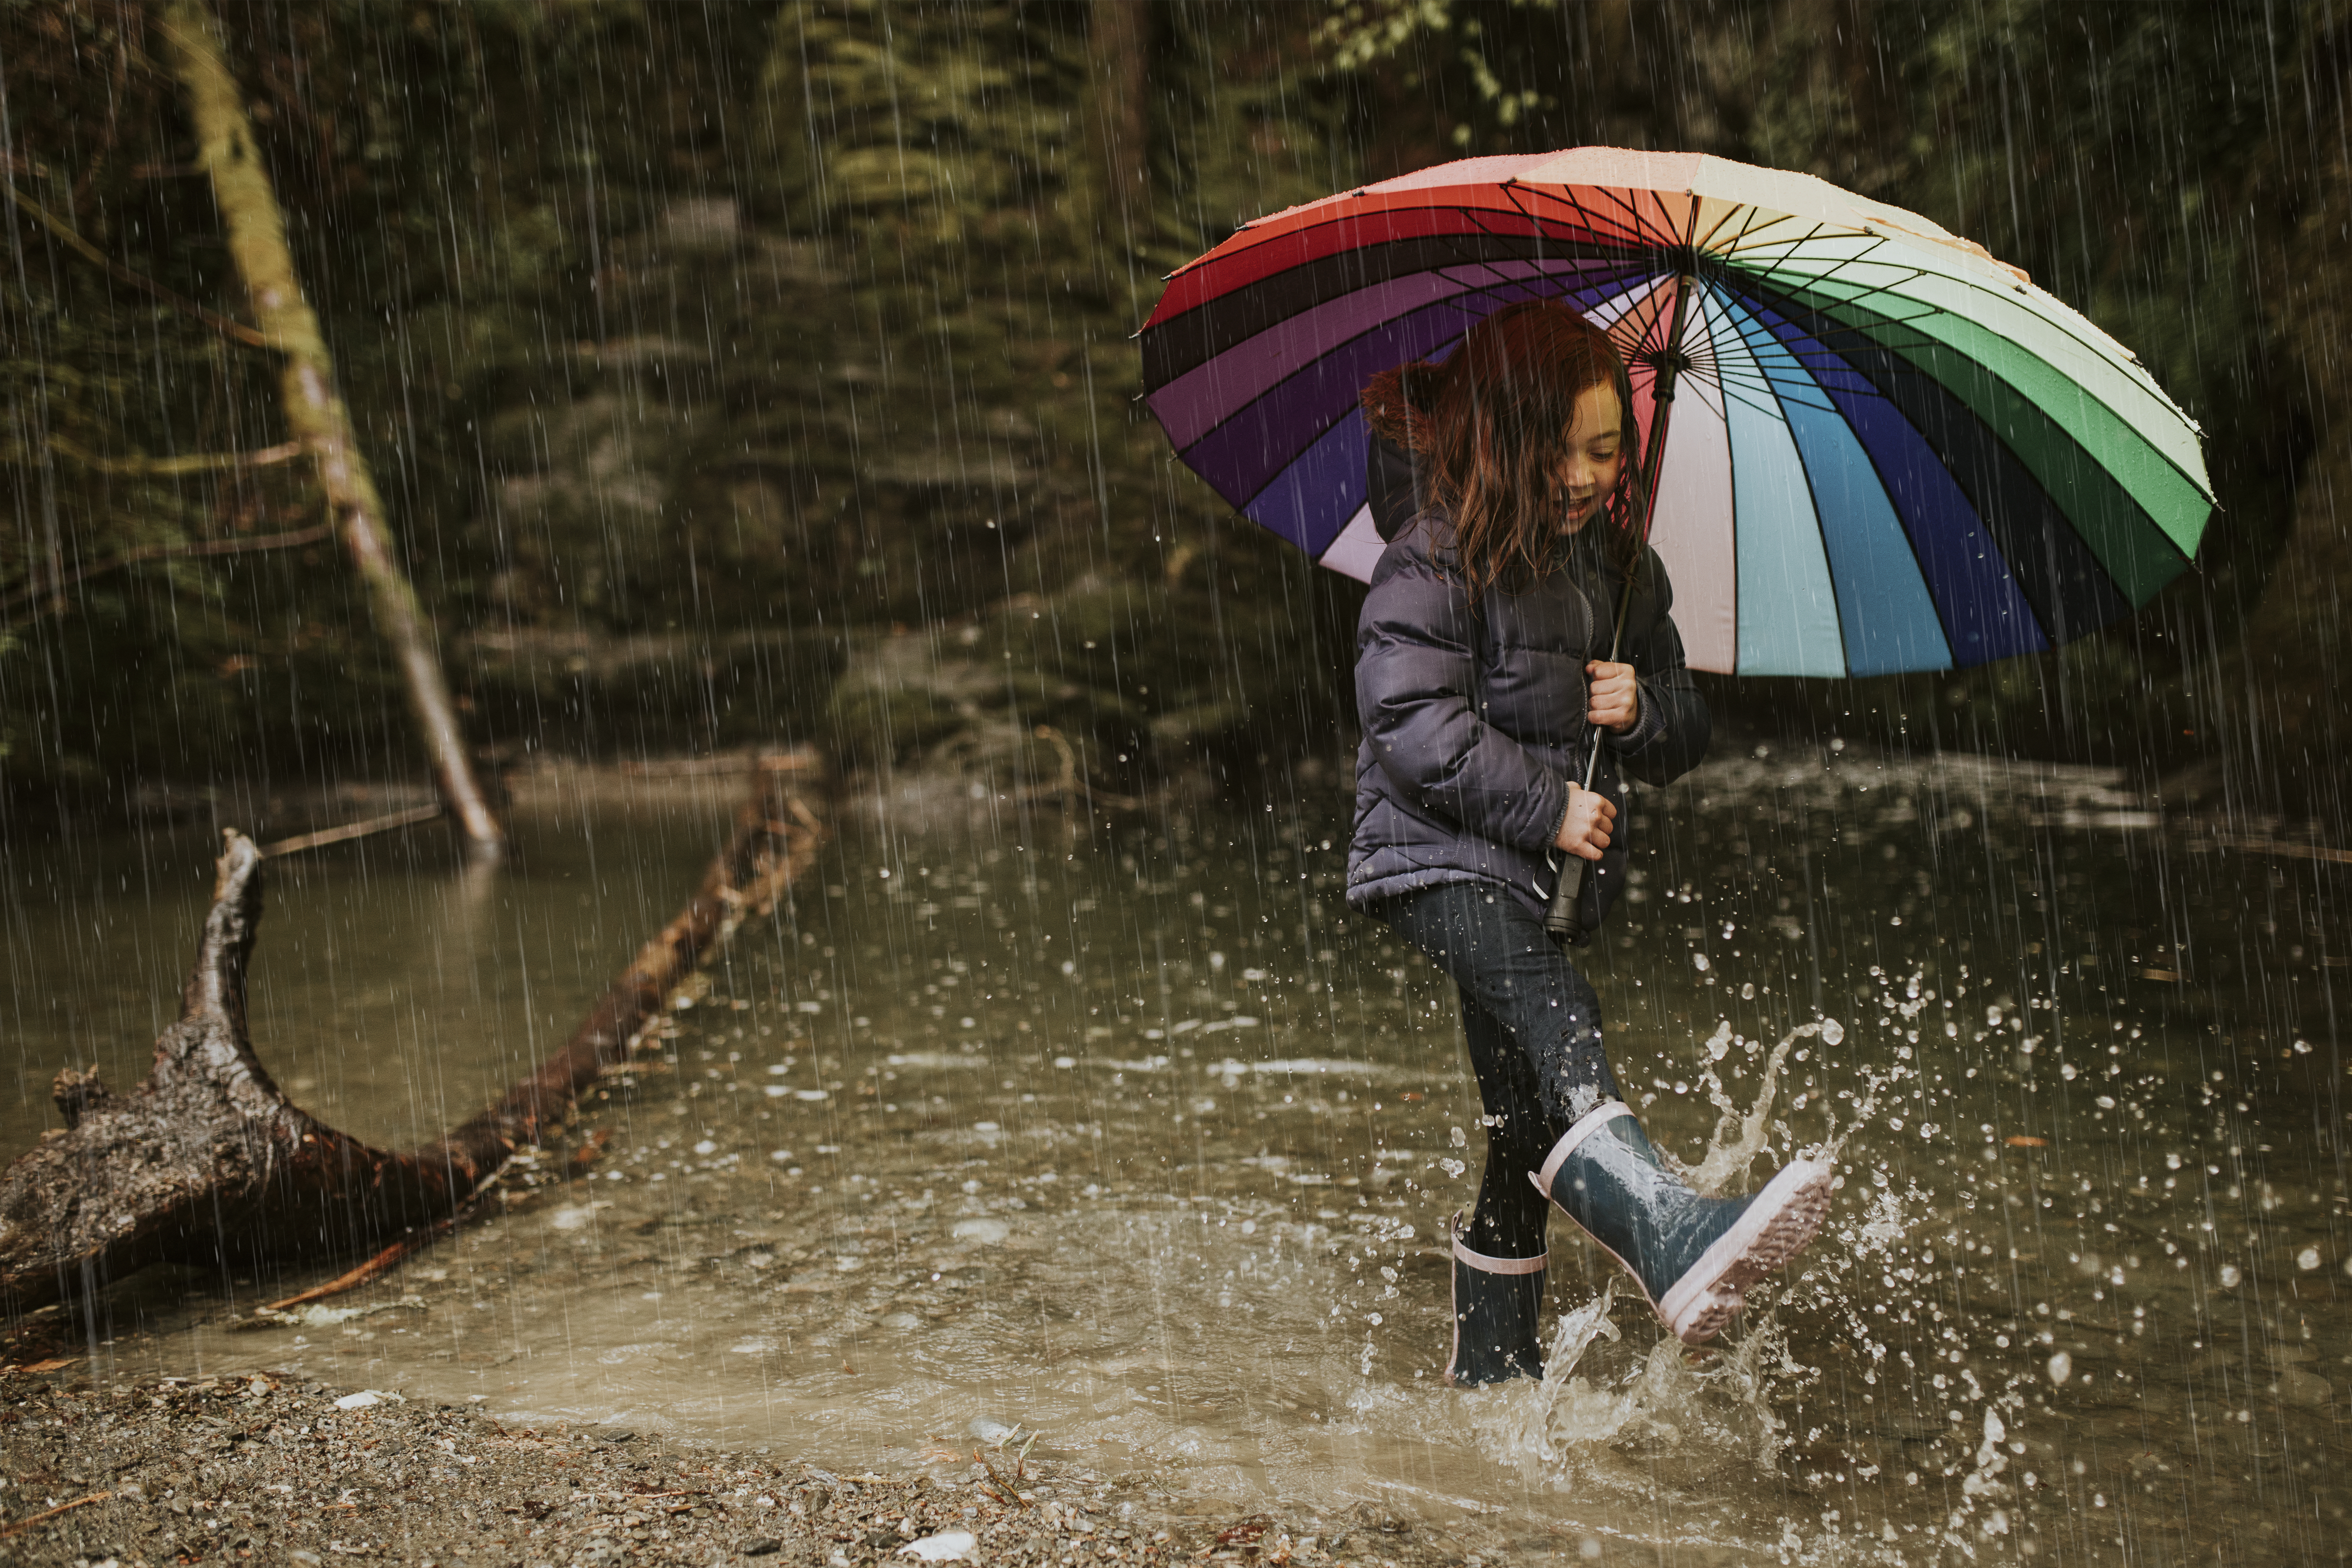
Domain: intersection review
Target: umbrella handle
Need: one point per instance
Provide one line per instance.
(1560, 920)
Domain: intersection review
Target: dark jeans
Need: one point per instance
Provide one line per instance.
(1533, 1026)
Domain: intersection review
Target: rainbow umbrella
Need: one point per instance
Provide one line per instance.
(1888, 451)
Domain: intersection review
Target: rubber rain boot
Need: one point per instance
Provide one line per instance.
(1693, 1257)
(1495, 1302)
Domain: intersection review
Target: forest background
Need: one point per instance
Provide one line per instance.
(755, 370)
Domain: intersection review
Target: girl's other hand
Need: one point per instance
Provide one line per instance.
(1612, 697)
(1584, 831)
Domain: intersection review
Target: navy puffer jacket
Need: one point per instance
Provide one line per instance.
(1474, 718)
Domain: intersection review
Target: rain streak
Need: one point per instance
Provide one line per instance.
(690, 697)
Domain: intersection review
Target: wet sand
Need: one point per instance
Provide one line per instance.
(275, 1471)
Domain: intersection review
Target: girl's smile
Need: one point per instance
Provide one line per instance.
(1591, 455)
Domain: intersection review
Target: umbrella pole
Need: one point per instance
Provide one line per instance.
(1560, 920)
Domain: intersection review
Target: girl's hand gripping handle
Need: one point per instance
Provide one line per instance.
(1584, 831)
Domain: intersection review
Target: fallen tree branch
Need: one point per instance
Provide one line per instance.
(350, 831)
(199, 549)
(383, 1262)
(2259, 844)
(208, 1162)
(186, 463)
(139, 280)
(1012, 1492)
(774, 841)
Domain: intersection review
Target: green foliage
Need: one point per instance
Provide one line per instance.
(731, 339)
(876, 107)
(1484, 44)
(666, 327)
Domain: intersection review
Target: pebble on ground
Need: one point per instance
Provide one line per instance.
(270, 1471)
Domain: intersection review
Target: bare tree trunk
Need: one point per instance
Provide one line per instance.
(1117, 128)
(315, 411)
(207, 1161)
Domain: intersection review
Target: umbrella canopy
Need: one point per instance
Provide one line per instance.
(1888, 451)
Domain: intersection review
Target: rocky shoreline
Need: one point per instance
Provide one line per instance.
(282, 1470)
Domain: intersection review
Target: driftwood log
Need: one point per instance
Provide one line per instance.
(208, 1162)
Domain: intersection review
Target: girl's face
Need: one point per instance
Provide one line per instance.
(1592, 454)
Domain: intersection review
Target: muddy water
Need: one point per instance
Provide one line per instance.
(1134, 1137)
(394, 987)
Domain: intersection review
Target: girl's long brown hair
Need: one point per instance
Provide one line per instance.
(1485, 427)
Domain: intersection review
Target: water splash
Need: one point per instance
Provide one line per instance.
(1740, 1136)
(1699, 1403)
(1534, 1424)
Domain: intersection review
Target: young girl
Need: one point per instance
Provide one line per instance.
(1481, 682)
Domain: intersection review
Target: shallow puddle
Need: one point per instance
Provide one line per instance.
(1132, 1136)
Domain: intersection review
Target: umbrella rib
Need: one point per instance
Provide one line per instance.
(1750, 212)
(1503, 282)
(1819, 227)
(1513, 190)
(1911, 272)
(1764, 377)
(1706, 242)
(1864, 292)
(1631, 217)
(1629, 341)
(1795, 247)
(1799, 282)
(1791, 247)
(1474, 289)
(1734, 249)
(1484, 291)
(1762, 405)
(1709, 365)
